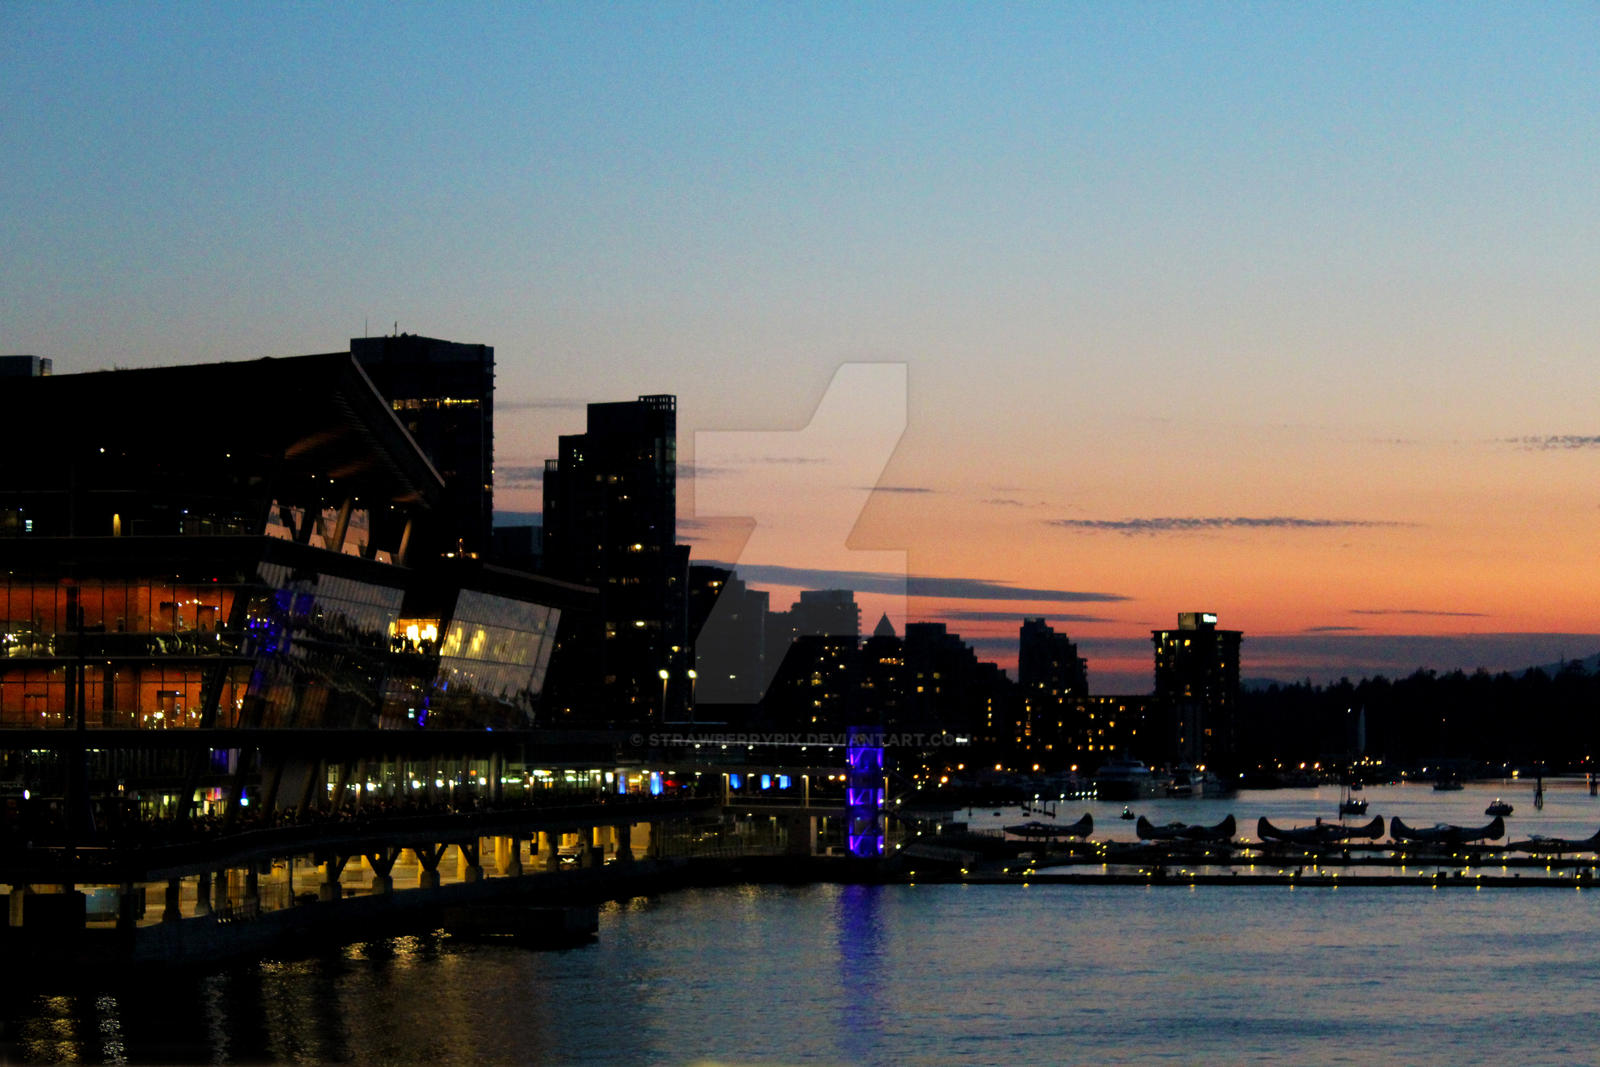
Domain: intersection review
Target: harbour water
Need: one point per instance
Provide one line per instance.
(922, 974)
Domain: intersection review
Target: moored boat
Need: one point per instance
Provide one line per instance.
(1445, 833)
(1320, 833)
(1499, 807)
(1124, 779)
(1177, 831)
(1082, 828)
(1557, 845)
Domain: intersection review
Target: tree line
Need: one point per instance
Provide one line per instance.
(1526, 719)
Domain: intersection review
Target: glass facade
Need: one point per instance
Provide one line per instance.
(321, 650)
(127, 653)
(493, 658)
(297, 649)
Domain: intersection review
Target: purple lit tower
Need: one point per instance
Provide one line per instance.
(864, 791)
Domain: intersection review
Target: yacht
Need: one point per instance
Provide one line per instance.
(1124, 779)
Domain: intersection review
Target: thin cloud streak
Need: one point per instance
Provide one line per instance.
(1192, 524)
(1418, 611)
(1018, 616)
(913, 585)
(518, 477)
(1554, 442)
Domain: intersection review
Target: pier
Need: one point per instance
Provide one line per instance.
(987, 860)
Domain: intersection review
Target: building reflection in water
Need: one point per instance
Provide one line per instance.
(859, 921)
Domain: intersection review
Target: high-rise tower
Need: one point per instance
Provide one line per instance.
(610, 521)
(1053, 679)
(1197, 688)
(443, 393)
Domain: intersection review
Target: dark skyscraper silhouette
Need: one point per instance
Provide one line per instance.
(1053, 679)
(443, 393)
(1197, 689)
(1048, 663)
(727, 628)
(610, 521)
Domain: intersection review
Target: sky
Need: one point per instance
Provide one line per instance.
(1287, 312)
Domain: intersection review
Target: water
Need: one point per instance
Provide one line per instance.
(920, 974)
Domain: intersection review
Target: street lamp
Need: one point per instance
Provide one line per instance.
(663, 673)
(692, 677)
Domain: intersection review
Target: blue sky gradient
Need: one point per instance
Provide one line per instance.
(1172, 264)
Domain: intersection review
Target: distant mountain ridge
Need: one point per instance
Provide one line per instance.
(1589, 665)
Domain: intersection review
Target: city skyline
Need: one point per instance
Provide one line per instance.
(1275, 312)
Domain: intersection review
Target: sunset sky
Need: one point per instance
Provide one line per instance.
(1288, 312)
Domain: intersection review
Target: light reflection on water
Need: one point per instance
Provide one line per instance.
(921, 974)
(903, 974)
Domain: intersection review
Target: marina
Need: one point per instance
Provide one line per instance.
(1427, 839)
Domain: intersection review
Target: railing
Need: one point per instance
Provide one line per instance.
(150, 846)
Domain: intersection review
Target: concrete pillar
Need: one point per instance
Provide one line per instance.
(508, 856)
(18, 894)
(252, 890)
(202, 894)
(468, 866)
(130, 905)
(586, 847)
(382, 866)
(549, 850)
(624, 834)
(220, 902)
(330, 890)
(172, 901)
(428, 860)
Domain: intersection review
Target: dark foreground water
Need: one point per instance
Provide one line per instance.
(902, 974)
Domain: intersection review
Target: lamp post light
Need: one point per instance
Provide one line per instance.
(663, 673)
(692, 676)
